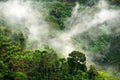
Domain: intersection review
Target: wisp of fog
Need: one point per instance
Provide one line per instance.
(22, 14)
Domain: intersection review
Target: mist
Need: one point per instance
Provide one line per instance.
(22, 16)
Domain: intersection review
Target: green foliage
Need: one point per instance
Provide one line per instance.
(43, 64)
(3, 70)
(98, 44)
(20, 76)
(114, 48)
(17, 63)
(22, 41)
(107, 76)
(77, 61)
(59, 12)
(92, 73)
(115, 2)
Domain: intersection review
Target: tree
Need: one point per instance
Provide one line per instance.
(77, 61)
(22, 40)
(92, 73)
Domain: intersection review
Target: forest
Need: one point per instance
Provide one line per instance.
(59, 40)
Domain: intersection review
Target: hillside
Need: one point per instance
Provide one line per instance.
(59, 40)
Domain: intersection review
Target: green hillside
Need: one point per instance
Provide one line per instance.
(40, 55)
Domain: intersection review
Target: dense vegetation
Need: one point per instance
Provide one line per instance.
(17, 62)
(105, 49)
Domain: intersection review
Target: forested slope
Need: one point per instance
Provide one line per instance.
(23, 59)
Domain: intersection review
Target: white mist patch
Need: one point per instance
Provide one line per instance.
(16, 9)
(62, 43)
(84, 19)
(103, 4)
(21, 13)
(106, 15)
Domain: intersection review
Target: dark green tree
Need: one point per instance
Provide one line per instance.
(76, 61)
(22, 40)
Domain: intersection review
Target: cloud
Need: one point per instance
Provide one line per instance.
(22, 14)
